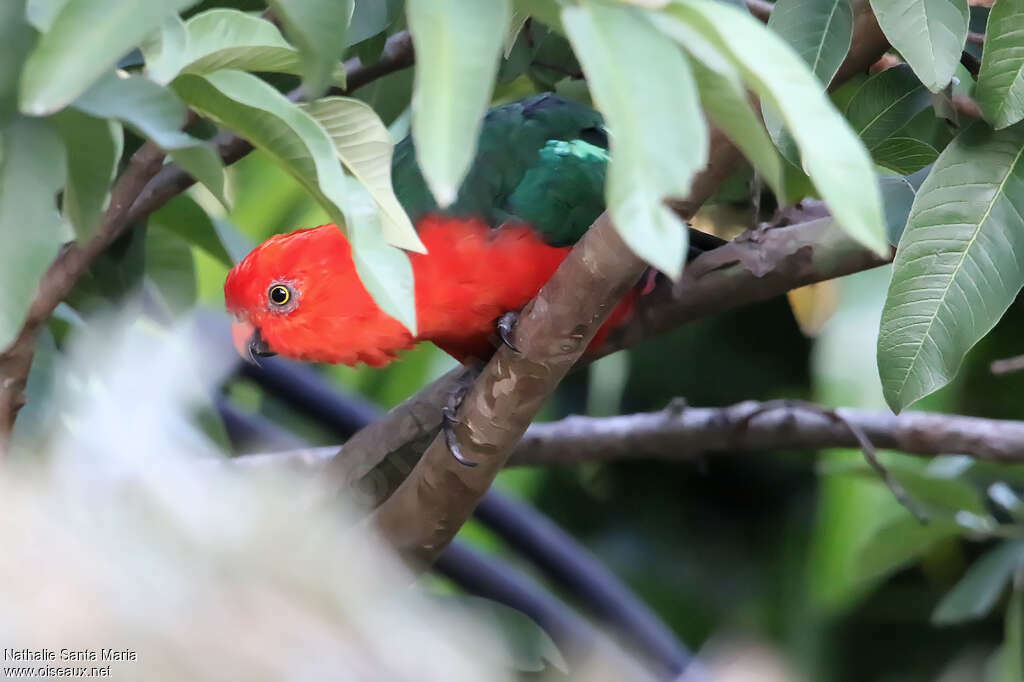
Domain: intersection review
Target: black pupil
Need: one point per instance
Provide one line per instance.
(279, 295)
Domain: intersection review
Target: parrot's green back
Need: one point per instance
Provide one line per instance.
(541, 160)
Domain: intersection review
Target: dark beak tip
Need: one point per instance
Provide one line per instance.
(258, 348)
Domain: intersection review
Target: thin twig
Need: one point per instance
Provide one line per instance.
(1007, 365)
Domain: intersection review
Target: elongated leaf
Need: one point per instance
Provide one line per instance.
(93, 150)
(363, 145)
(171, 268)
(1011, 653)
(85, 41)
(370, 17)
(1000, 88)
(898, 196)
(976, 593)
(726, 104)
(458, 45)
(900, 542)
(841, 170)
(41, 13)
(959, 265)
(885, 103)
(158, 114)
(930, 35)
(318, 27)
(31, 173)
(659, 137)
(16, 40)
(819, 30)
(165, 51)
(302, 147)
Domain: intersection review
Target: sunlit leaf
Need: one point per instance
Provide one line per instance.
(458, 45)
(819, 30)
(930, 35)
(659, 139)
(32, 170)
(841, 169)
(93, 151)
(977, 592)
(294, 139)
(959, 264)
(1000, 89)
(318, 28)
(85, 40)
(363, 145)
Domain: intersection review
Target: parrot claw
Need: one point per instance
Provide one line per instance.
(506, 323)
(448, 422)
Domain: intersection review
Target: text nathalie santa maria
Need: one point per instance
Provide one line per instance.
(101, 654)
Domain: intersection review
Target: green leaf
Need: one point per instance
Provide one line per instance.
(86, 40)
(900, 542)
(930, 35)
(841, 169)
(171, 268)
(1000, 88)
(725, 102)
(959, 263)
(297, 143)
(977, 592)
(93, 148)
(819, 30)
(41, 13)
(16, 39)
(458, 45)
(158, 114)
(318, 28)
(659, 137)
(905, 155)
(185, 218)
(223, 39)
(370, 17)
(32, 170)
(1011, 653)
(364, 147)
(897, 197)
(887, 102)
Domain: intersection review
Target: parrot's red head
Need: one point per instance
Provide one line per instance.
(298, 295)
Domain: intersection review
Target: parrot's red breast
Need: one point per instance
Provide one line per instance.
(300, 292)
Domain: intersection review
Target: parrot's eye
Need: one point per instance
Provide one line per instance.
(279, 294)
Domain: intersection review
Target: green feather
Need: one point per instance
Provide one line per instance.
(540, 160)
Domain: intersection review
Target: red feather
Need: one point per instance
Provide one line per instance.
(470, 276)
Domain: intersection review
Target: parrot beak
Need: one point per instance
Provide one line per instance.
(248, 342)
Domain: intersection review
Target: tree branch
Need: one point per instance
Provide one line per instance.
(144, 186)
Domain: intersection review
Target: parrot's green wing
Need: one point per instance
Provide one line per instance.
(541, 160)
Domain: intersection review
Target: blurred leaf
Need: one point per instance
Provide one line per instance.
(977, 592)
(943, 300)
(184, 217)
(41, 13)
(453, 86)
(813, 305)
(930, 35)
(318, 28)
(363, 145)
(819, 30)
(157, 114)
(85, 41)
(725, 101)
(515, 27)
(171, 269)
(165, 50)
(370, 17)
(1011, 654)
(898, 198)
(841, 170)
(1000, 89)
(36, 418)
(32, 170)
(900, 542)
(93, 149)
(224, 39)
(529, 647)
(887, 102)
(16, 39)
(299, 144)
(659, 136)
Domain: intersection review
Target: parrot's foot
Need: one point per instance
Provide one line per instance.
(449, 420)
(506, 323)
